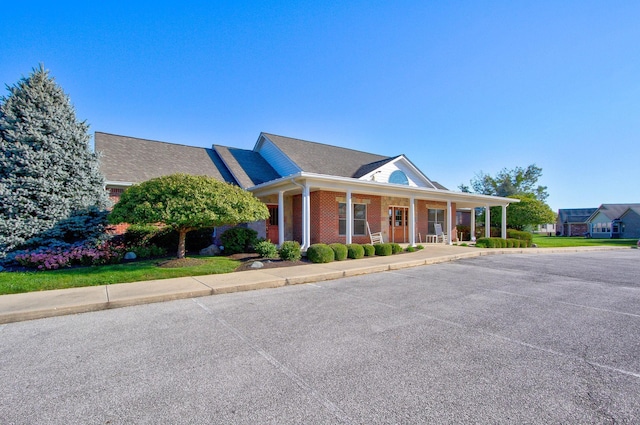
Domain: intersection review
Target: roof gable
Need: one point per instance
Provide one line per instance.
(384, 171)
(133, 160)
(613, 211)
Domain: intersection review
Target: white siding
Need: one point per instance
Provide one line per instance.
(280, 162)
(382, 174)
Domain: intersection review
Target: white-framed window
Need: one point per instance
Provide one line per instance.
(435, 216)
(359, 219)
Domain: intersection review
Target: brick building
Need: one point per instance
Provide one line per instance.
(315, 192)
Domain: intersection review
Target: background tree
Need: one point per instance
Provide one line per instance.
(185, 203)
(528, 212)
(47, 170)
(520, 183)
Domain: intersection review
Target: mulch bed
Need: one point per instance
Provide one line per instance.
(248, 259)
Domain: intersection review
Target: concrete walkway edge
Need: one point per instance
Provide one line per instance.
(37, 305)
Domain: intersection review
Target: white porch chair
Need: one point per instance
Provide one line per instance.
(375, 237)
(440, 235)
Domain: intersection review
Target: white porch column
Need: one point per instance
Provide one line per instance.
(412, 221)
(349, 227)
(504, 222)
(473, 224)
(280, 217)
(449, 223)
(487, 221)
(306, 217)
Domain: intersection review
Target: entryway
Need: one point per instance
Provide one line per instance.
(272, 224)
(399, 224)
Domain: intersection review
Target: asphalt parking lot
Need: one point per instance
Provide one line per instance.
(499, 339)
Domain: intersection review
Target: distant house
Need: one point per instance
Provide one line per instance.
(615, 221)
(315, 192)
(573, 221)
(545, 229)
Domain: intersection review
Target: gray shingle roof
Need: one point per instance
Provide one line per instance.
(575, 215)
(129, 159)
(615, 211)
(248, 167)
(319, 158)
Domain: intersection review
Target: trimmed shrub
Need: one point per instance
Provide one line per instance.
(411, 249)
(484, 243)
(395, 248)
(516, 242)
(340, 251)
(147, 251)
(419, 246)
(266, 249)
(290, 251)
(523, 236)
(383, 249)
(510, 243)
(320, 253)
(355, 251)
(238, 239)
(369, 250)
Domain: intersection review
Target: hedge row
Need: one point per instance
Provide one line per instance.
(323, 253)
(503, 243)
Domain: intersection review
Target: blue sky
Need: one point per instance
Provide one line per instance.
(459, 87)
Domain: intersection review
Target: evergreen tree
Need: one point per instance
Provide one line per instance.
(48, 173)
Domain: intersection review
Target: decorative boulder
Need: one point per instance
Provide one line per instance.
(210, 251)
(257, 265)
(130, 256)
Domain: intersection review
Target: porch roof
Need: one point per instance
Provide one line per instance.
(293, 185)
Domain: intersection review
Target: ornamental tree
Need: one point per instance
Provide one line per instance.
(47, 171)
(184, 203)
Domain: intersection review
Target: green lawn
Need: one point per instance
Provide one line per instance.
(562, 241)
(17, 282)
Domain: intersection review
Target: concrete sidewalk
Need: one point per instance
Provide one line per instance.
(36, 305)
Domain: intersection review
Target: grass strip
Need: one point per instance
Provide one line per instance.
(18, 282)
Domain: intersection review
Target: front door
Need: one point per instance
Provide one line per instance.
(398, 224)
(272, 224)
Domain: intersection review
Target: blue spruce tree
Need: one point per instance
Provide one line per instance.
(50, 183)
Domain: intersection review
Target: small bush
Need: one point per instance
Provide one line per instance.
(290, 251)
(238, 239)
(411, 248)
(484, 243)
(516, 243)
(395, 248)
(340, 251)
(320, 253)
(148, 251)
(355, 251)
(523, 236)
(383, 249)
(266, 249)
(369, 250)
(509, 243)
(419, 246)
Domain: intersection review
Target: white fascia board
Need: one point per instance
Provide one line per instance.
(117, 183)
(322, 181)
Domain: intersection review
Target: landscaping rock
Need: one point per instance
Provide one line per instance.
(256, 265)
(130, 256)
(210, 251)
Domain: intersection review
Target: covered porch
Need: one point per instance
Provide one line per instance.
(313, 208)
